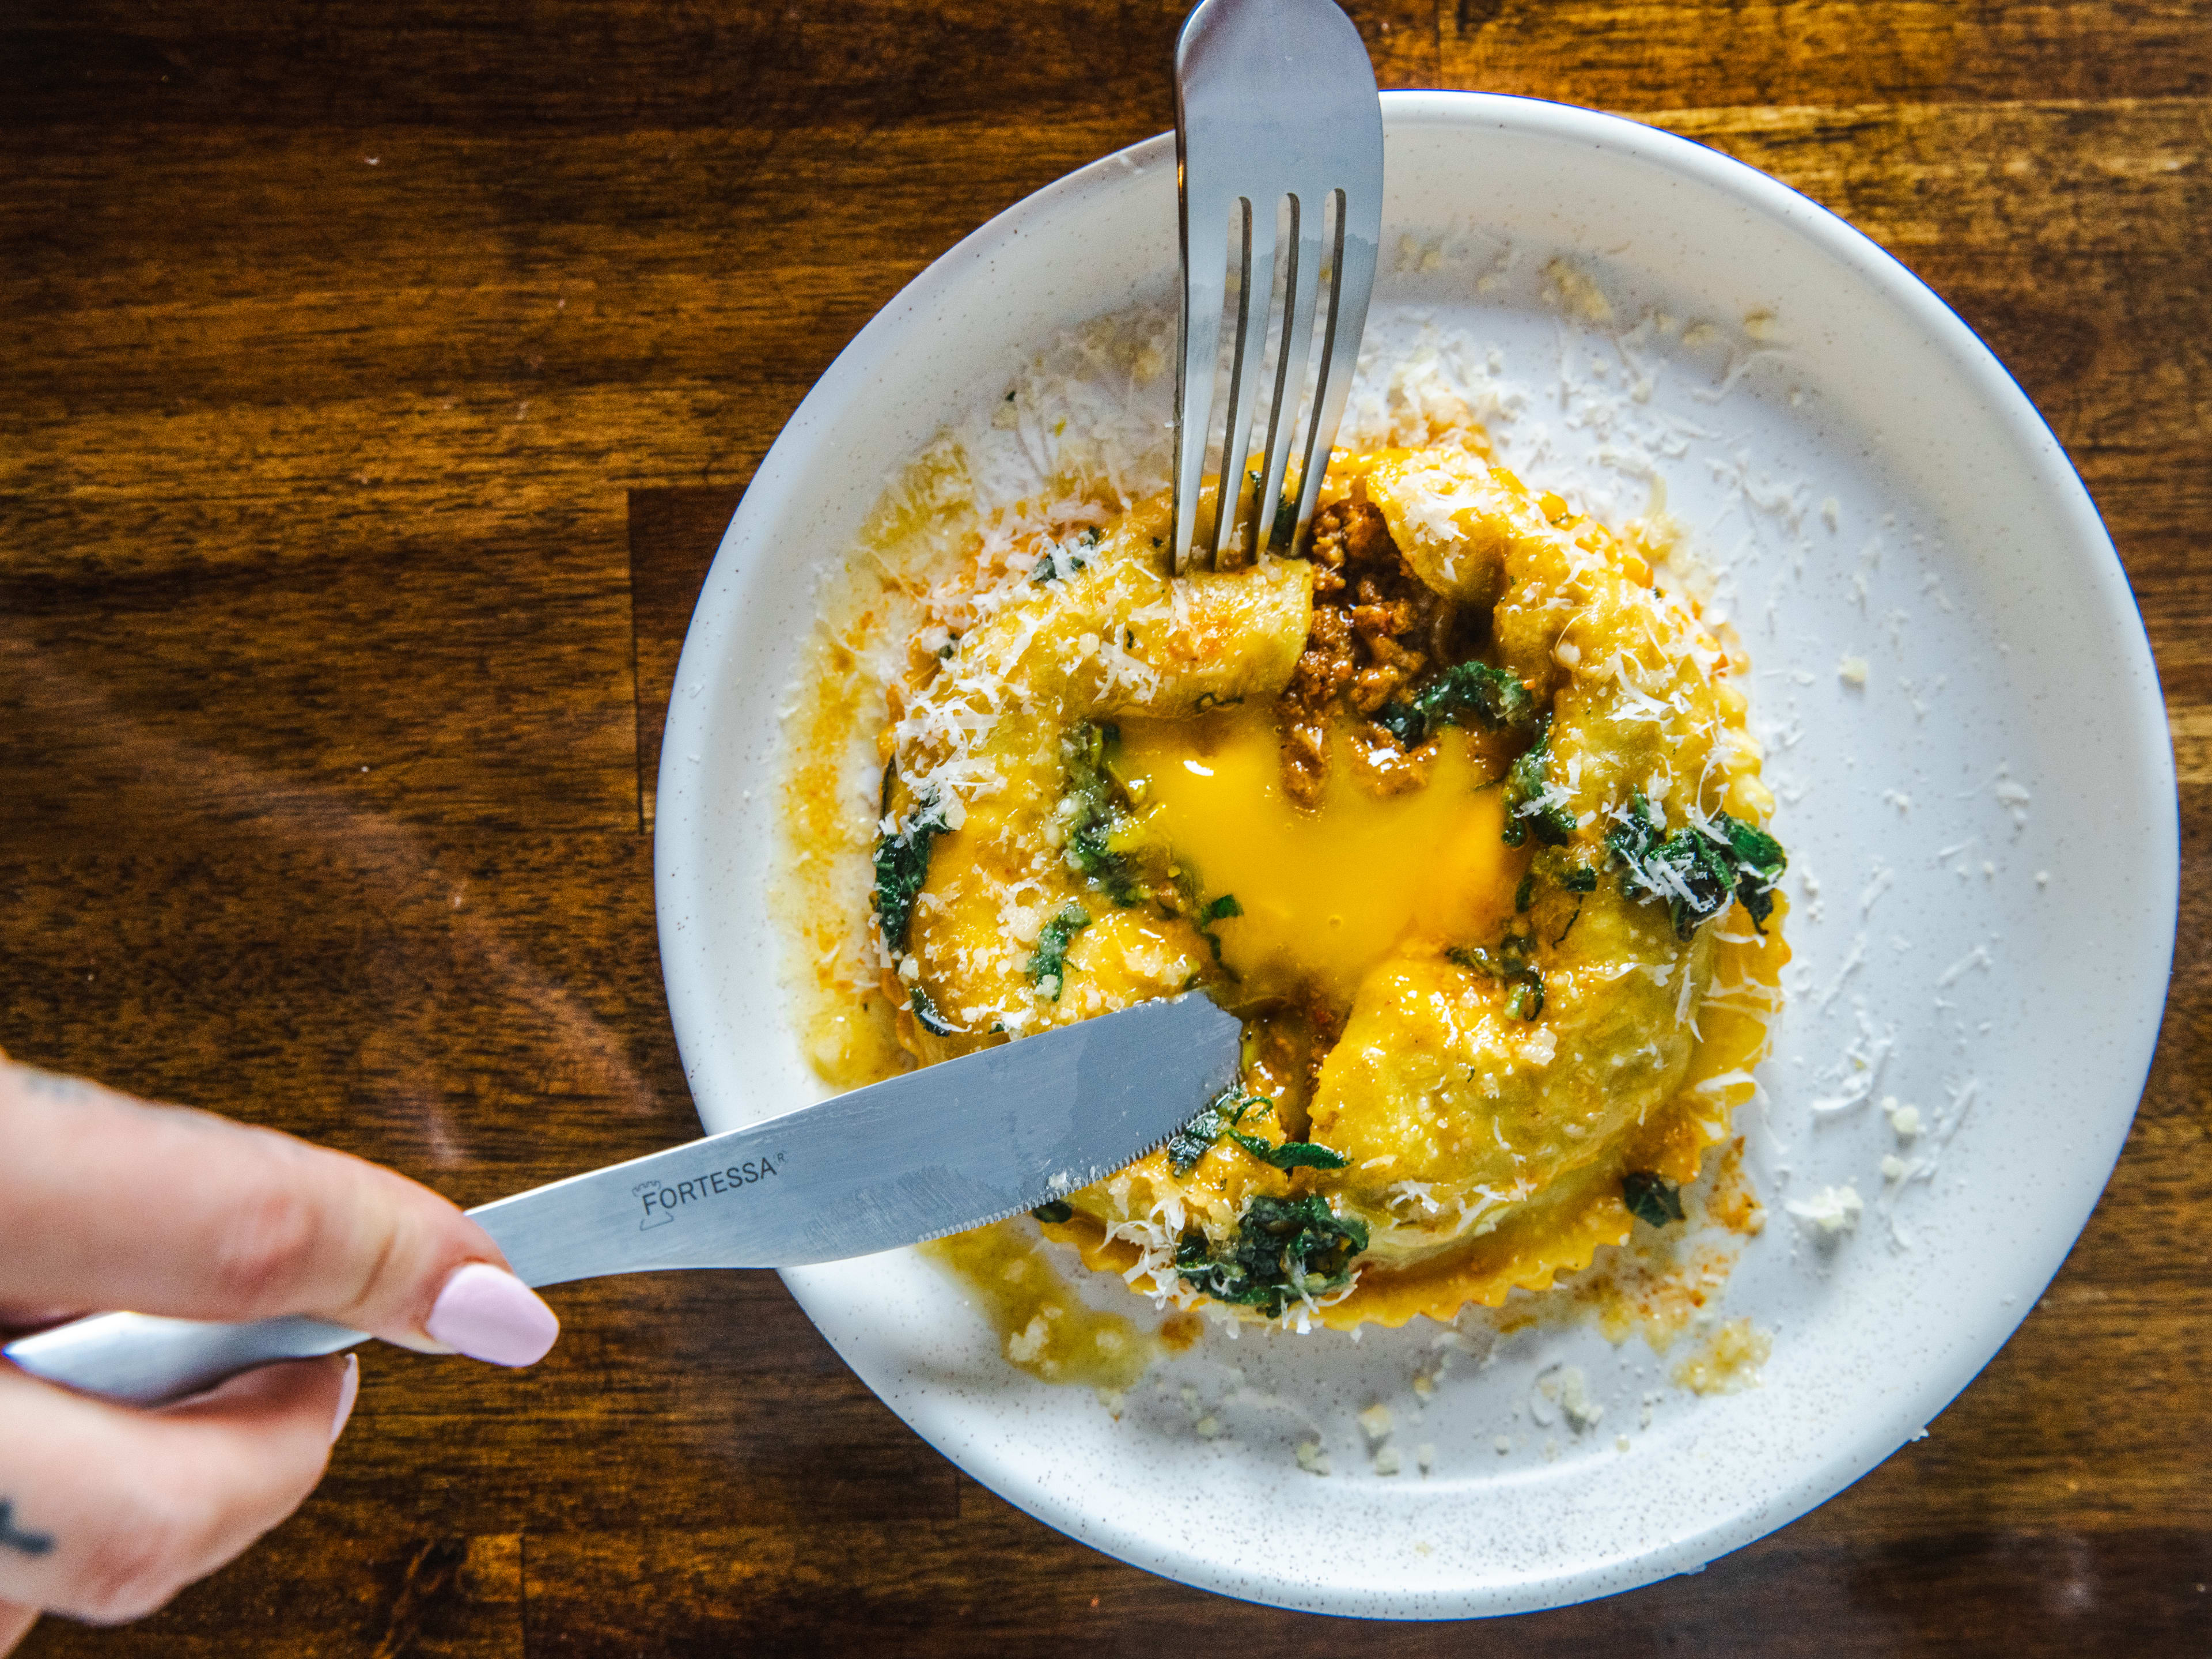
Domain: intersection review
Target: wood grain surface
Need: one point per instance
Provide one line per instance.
(375, 379)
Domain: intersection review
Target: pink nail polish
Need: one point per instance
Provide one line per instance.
(349, 1391)
(492, 1315)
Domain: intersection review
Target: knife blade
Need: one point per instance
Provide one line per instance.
(933, 1151)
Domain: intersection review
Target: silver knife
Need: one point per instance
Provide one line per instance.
(937, 1151)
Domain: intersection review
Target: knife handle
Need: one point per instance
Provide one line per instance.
(139, 1359)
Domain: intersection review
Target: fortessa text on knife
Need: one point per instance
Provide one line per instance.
(661, 1198)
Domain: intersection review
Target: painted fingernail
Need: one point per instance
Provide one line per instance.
(349, 1391)
(492, 1315)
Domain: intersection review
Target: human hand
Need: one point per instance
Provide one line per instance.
(109, 1202)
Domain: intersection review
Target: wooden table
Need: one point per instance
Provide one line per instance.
(375, 379)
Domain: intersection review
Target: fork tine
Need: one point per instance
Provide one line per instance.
(1206, 281)
(1290, 366)
(1250, 347)
(1358, 230)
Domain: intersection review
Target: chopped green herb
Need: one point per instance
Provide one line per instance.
(1062, 560)
(1577, 879)
(903, 865)
(1691, 873)
(926, 1014)
(1517, 951)
(1196, 1137)
(1493, 696)
(1514, 956)
(1058, 1209)
(1283, 1251)
(1513, 962)
(1049, 961)
(1468, 693)
(1651, 1199)
(1759, 862)
(1291, 1154)
(1097, 843)
(1220, 910)
(1553, 824)
(1527, 811)
(1699, 868)
(1580, 879)
(1287, 509)
(1402, 722)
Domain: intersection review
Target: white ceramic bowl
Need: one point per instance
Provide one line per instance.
(1990, 817)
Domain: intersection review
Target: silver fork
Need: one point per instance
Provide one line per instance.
(1275, 99)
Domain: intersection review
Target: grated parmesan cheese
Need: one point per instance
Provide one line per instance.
(1832, 1210)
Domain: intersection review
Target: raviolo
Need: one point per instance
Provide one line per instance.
(1457, 810)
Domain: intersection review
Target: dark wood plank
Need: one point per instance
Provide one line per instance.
(483, 1014)
(676, 1400)
(2056, 177)
(619, 64)
(673, 534)
(1682, 54)
(438, 1595)
(405, 683)
(914, 1590)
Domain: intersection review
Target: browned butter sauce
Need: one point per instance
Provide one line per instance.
(1727, 1361)
(1043, 1327)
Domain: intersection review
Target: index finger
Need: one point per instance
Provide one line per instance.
(112, 1202)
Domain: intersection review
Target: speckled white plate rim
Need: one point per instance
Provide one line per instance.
(681, 886)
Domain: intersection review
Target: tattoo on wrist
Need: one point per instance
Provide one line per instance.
(55, 1085)
(13, 1537)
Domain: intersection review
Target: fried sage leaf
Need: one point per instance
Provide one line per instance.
(901, 866)
(1697, 870)
(1283, 1250)
(1651, 1199)
(1049, 961)
(1291, 1154)
(1216, 1119)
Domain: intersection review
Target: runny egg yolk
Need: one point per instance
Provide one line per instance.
(1325, 893)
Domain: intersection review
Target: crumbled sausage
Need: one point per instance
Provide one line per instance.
(1375, 628)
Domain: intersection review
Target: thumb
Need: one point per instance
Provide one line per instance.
(111, 1202)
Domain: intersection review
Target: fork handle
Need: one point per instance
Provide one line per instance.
(139, 1359)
